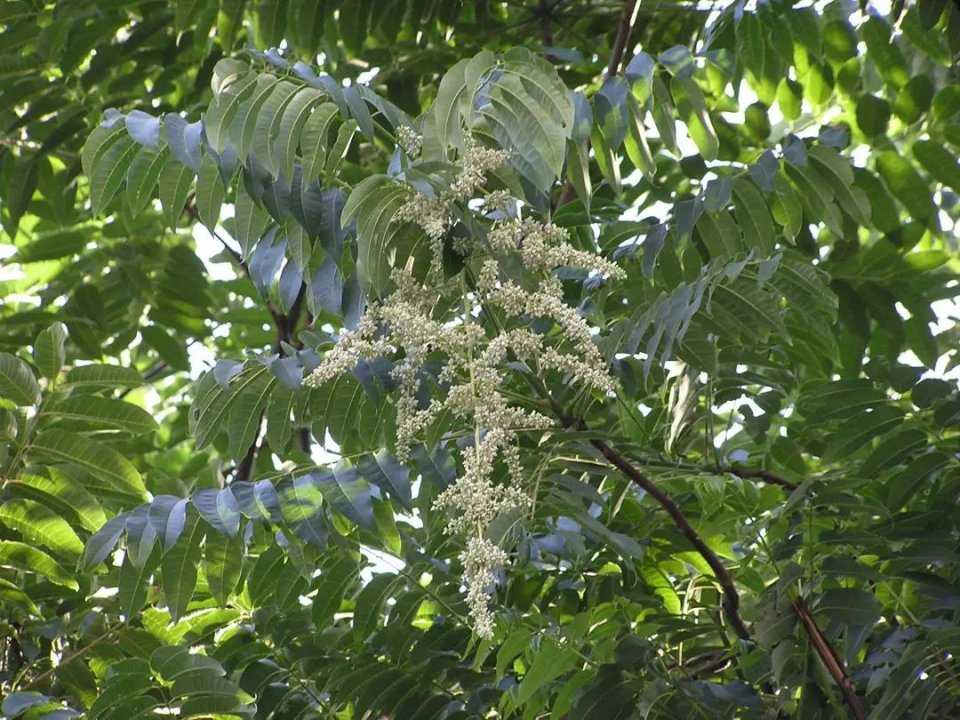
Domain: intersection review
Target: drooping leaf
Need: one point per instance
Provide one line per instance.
(179, 567)
(105, 464)
(17, 382)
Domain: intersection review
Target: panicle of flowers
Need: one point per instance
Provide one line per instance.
(408, 323)
(480, 559)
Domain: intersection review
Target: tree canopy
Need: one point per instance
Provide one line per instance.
(407, 359)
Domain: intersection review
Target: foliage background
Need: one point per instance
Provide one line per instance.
(779, 183)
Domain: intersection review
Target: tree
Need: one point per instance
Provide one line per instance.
(574, 360)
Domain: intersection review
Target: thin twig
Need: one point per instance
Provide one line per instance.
(763, 475)
(830, 659)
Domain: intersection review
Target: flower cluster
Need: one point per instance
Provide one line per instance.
(434, 214)
(411, 325)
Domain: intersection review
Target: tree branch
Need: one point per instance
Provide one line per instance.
(830, 659)
(731, 599)
(627, 18)
(763, 475)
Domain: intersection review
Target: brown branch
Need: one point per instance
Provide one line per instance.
(731, 599)
(831, 660)
(762, 475)
(285, 325)
(544, 17)
(627, 17)
(245, 466)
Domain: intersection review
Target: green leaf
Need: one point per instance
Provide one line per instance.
(445, 113)
(753, 217)
(103, 463)
(337, 574)
(17, 382)
(860, 430)
(893, 451)
(839, 175)
(262, 582)
(97, 144)
(850, 606)
(249, 221)
(104, 411)
(179, 567)
(109, 172)
(370, 602)
(20, 556)
(11, 596)
(538, 140)
(514, 645)
(873, 115)
(906, 184)
(243, 422)
(374, 202)
(294, 117)
(387, 531)
(244, 125)
(786, 207)
(693, 111)
(885, 55)
(636, 145)
(103, 542)
(229, 19)
(142, 177)
(939, 162)
(210, 192)
(389, 475)
(212, 403)
(63, 494)
(103, 376)
(884, 213)
(234, 87)
(348, 493)
(133, 581)
(550, 662)
(39, 525)
(314, 139)
(790, 98)
(222, 563)
(174, 662)
(719, 233)
(174, 182)
(268, 125)
(578, 171)
(338, 151)
(49, 353)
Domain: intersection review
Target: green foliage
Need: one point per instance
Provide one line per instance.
(186, 528)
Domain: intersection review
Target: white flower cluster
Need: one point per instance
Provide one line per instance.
(480, 559)
(410, 140)
(414, 324)
(433, 214)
